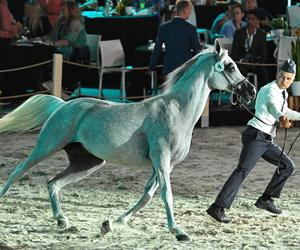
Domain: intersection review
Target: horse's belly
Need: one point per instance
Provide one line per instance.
(131, 154)
(131, 159)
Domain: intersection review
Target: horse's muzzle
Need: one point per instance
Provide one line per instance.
(246, 90)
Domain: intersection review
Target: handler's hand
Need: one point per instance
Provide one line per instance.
(284, 122)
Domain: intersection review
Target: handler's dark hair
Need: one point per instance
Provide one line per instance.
(181, 5)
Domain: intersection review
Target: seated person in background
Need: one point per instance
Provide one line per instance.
(168, 14)
(265, 18)
(69, 33)
(249, 45)
(9, 28)
(180, 39)
(249, 5)
(155, 5)
(32, 19)
(69, 38)
(221, 19)
(51, 11)
(229, 27)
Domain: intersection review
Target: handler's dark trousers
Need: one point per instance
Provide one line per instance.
(256, 144)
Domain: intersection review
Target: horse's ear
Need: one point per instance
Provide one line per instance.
(218, 47)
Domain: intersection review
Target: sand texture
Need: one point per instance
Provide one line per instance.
(26, 220)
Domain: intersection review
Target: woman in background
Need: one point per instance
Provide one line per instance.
(51, 11)
(69, 33)
(9, 28)
(69, 39)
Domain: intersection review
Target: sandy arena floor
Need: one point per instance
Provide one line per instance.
(26, 219)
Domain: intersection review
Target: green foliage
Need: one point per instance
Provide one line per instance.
(295, 50)
(279, 23)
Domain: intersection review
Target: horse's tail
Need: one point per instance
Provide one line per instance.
(31, 114)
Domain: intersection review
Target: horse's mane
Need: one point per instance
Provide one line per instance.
(174, 76)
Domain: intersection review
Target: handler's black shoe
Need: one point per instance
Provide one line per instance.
(217, 213)
(267, 205)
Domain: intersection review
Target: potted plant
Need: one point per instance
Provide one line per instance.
(295, 54)
(279, 25)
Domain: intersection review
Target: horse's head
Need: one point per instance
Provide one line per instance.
(226, 76)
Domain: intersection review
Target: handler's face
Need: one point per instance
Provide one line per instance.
(284, 79)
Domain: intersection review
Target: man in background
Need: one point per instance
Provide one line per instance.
(229, 27)
(221, 19)
(179, 37)
(250, 45)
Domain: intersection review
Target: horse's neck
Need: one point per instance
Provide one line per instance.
(191, 98)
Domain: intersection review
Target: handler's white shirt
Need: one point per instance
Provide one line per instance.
(268, 107)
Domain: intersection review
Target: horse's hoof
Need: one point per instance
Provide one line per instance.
(63, 223)
(106, 227)
(182, 237)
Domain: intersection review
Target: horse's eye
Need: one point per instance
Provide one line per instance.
(230, 67)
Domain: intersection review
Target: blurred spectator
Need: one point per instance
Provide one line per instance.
(264, 15)
(51, 11)
(249, 5)
(155, 5)
(229, 27)
(9, 28)
(180, 39)
(250, 45)
(168, 14)
(32, 19)
(69, 33)
(265, 18)
(221, 19)
(69, 38)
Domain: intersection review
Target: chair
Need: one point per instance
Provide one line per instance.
(111, 60)
(284, 49)
(92, 41)
(293, 15)
(254, 77)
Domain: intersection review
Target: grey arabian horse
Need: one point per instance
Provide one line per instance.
(154, 133)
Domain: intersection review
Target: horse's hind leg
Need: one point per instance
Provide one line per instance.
(82, 164)
(150, 189)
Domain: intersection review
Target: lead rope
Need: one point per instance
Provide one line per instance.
(296, 172)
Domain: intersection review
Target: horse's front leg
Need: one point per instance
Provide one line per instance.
(150, 189)
(161, 160)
